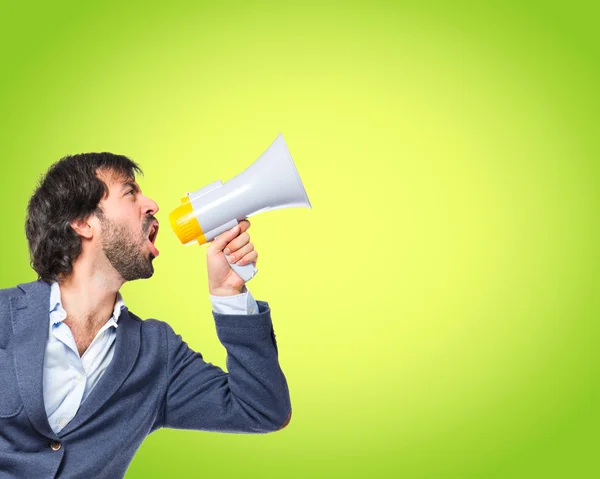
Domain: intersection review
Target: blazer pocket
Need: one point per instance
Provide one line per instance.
(10, 399)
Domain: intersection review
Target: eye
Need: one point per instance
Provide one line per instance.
(130, 191)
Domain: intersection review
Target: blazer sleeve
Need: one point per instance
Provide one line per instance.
(252, 397)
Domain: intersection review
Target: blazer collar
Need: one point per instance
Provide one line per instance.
(30, 327)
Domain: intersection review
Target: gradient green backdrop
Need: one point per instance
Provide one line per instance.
(436, 311)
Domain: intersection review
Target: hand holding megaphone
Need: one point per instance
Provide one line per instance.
(271, 182)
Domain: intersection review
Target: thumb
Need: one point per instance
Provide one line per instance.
(219, 243)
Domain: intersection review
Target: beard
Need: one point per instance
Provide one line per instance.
(124, 251)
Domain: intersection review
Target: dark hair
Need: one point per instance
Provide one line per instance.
(69, 190)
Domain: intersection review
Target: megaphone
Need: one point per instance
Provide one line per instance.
(271, 182)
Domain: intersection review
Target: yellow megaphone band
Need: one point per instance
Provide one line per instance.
(185, 224)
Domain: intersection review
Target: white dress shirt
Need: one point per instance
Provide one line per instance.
(69, 378)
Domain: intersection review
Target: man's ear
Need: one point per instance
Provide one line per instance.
(83, 227)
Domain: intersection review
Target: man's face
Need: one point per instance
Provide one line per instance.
(129, 228)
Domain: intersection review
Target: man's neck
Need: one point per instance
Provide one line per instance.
(89, 300)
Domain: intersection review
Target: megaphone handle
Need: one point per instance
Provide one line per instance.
(246, 272)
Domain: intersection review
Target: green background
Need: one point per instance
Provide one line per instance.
(436, 310)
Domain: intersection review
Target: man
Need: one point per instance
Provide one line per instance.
(83, 380)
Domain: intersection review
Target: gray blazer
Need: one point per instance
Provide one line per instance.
(154, 380)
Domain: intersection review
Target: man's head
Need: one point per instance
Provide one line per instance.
(89, 205)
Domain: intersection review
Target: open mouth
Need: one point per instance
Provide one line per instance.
(153, 233)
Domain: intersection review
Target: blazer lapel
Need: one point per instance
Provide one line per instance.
(30, 323)
(127, 347)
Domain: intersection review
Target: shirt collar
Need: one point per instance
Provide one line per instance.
(58, 314)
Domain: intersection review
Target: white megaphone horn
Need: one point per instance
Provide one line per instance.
(271, 182)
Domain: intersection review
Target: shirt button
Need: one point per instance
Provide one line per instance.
(251, 310)
(55, 445)
(62, 422)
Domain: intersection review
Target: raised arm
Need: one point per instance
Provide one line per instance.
(252, 397)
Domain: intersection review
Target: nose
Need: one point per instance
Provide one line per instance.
(151, 207)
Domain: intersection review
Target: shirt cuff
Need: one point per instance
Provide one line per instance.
(243, 303)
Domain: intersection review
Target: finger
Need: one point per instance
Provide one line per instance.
(242, 240)
(223, 239)
(236, 255)
(248, 258)
(244, 225)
